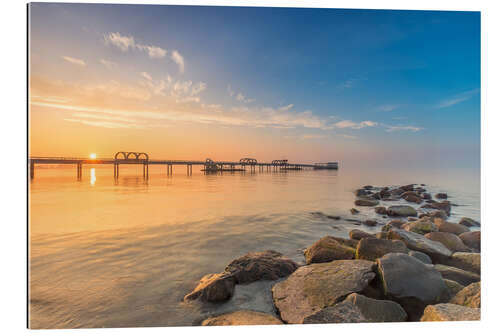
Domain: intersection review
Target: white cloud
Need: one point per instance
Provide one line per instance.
(108, 63)
(456, 99)
(286, 107)
(354, 125)
(124, 43)
(178, 59)
(146, 76)
(242, 98)
(74, 61)
(154, 52)
(392, 128)
(230, 90)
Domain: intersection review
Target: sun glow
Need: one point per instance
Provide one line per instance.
(93, 156)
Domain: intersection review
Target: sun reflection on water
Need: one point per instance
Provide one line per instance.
(92, 177)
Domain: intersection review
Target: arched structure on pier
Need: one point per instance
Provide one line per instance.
(248, 161)
(279, 162)
(135, 155)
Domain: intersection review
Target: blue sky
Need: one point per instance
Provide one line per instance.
(360, 79)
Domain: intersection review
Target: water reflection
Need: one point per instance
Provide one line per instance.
(92, 177)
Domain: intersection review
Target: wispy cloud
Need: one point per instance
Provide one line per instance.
(108, 63)
(387, 107)
(182, 91)
(178, 59)
(456, 99)
(153, 51)
(354, 125)
(349, 83)
(399, 128)
(286, 107)
(126, 43)
(240, 97)
(74, 61)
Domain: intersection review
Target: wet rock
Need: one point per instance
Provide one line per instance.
(451, 241)
(443, 205)
(314, 287)
(366, 202)
(343, 312)
(426, 196)
(213, 288)
(382, 235)
(456, 274)
(412, 198)
(469, 296)
(472, 239)
(420, 256)
(417, 242)
(433, 215)
(441, 196)
(267, 265)
(411, 219)
(354, 211)
(373, 248)
(468, 222)
(361, 192)
(401, 210)
(381, 210)
(393, 224)
(410, 282)
(328, 249)
(368, 187)
(453, 228)
(406, 188)
(450, 312)
(359, 234)
(242, 317)
(376, 311)
(453, 287)
(420, 227)
(370, 223)
(464, 260)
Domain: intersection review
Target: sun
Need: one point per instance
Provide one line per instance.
(93, 156)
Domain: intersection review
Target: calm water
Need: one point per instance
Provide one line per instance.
(121, 254)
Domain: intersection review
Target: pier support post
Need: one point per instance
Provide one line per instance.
(116, 169)
(79, 171)
(32, 169)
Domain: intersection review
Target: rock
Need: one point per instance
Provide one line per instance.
(346, 241)
(451, 241)
(469, 296)
(464, 260)
(354, 211)
(453, 287)
(242, 317)
(401, 210)
(406, 188)
(366, 202)
(450, 312)
(373, 248)
(343, 312)
(370, 223)
(412, 198)
(453, 228)
(328, 249)
(368, 187)
(396, 192)
(420, 256)
(393, 224)
(410, 282)
(437, 214)
(267, 265)
(472, 239)
(317, 286)
(441, 196)
(417, 242)
(361, 192)
(381, 210)
(456, 274)
(381, 235)
(443, 205)
(420, 227)
(359, 234)
(376, 311)
(468, 222)
(411, 219)
(426, 196)
(213, 288)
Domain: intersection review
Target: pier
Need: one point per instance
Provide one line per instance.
(143, 159)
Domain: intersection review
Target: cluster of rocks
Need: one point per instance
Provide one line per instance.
(419, 267)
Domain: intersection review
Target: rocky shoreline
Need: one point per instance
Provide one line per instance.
(418, 267)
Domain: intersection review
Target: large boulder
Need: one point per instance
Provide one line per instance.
(420, 227)
(267, 265)
(366, 202)
(359, 234)
(465, 260)
(328, 249)
(213, 288)
(412, 197)
(420, 256)
(343, 312)
(451, 241)
(453, 228)
(450, 312)
(442, 205)
(381, 210)
(469, 296)
(468, 222)
(453, 287)
(346, 241)
(435, 250)
(373, 248)
(314, 287)
(456, 274)
(410, 282)
(393, 224)
(472, 239)
(376, 311)
(242, 317)
(401, 210)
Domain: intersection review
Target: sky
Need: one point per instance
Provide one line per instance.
(362, 87)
